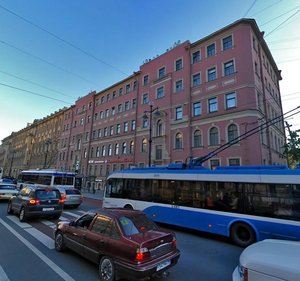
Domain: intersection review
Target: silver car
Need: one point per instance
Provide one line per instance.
(73, 197)
(7, 190)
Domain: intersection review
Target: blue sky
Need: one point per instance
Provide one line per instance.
(54, 51)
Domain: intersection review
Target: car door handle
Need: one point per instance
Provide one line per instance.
(75, 234)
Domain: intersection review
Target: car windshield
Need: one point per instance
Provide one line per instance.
(136, 224)
(7, 187)
(47, 194)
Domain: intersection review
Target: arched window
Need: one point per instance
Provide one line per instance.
(116, 149)
(213, 136)
(159, 128)
(131, 147)
(232, 132)
(124, 148)
(109, 150)
(103, 150)
(197, 138)
(178, 141)
(144, 145)
(97, 151)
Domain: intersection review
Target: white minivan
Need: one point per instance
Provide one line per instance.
(269, 260)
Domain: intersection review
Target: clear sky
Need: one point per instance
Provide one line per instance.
(54, 51)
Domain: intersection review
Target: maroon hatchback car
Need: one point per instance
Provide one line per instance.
(124, 243)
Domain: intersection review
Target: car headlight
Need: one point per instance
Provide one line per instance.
(243, 271)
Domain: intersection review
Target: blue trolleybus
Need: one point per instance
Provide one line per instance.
(247, 204)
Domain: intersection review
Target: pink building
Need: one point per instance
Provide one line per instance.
(197, 96)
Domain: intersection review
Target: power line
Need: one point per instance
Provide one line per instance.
(62, 40)
(249, 9)
(33, 93)
(266, 8)
(34, 83)
(47, 62)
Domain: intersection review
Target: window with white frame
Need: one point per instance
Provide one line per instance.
(161, 72)
(127, 88)
(197, 108)
(234, 162)
(145, 98)
(124, 148)
(158, 152)
(133, 125)
(178, 113)
(127, 105)
(121, 92)
(131, 147)
(232, 133)
(118, 129)
(146, 80)
(213, 105)
(160, 92)
(197, 139)
(227, 42)
(228, 68)
(178, 141)
(196, 80)
(111, 130)
(211, 50)
(113, 111)
(178, 86)
(213, 136)
(211, 74)
(125, 128)
(178, 64)
(97, 151)
(159, 128)
(144, 145)
(103, 153)
(109, 150)
(230, 100)
(116, 149)
(120, 108)
(105, 132)
(196, 57)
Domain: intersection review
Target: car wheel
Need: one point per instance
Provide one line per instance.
(128, 207)
(9, 208)
(242, 234)
(59, 242)
(22, 216)
(106, 269)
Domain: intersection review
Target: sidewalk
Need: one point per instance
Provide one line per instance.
(98, 195)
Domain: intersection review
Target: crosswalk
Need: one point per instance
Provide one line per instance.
(44, 237)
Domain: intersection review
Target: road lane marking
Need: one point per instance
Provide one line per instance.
(17, 221)
(65, 276)
(3, 276)
(43, 238)
(48, 223)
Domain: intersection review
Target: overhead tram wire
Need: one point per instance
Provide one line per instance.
(63, 40)
(34, 93)
(198, 161)
(249, 9)
(47, 62)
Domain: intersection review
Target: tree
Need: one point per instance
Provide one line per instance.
(292, 148)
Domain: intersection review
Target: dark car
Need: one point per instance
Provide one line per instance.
(124, 243)
(36, 201)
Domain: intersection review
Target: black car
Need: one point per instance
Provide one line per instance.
(122, 242)
(36, 201)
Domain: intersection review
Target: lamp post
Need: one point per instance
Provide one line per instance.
(47, 143)
(145, 117)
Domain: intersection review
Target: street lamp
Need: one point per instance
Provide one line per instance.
(47, 143)
(145, 117)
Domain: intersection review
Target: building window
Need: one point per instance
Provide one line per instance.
(178, 113)
(86, 138)
(212, 105)
(109, 150)
(145, 98)
(106, 112)
(127, 89)
(159, 128)
(108, 97)
(126, 105)
(214, 163)
(133, 125)
(228, 68)
(197, 138)
(160, 92)
(213, 136)
(101, 114)
(211, 74)
(118, 130)
(197, 109)
(121, 92)
(116, 149)
(103, 150)
(99, 133)
(120, 108)
(178, 141)
(196, 80)
(134, 85)
(178, 64)
(105, 132)
(113, 111)
(78, 144)
(178, 86)
(161, 72)
(230, 100)
(211, 50)
(124, 148)
(111, 130)
(97, 151)
(234, 162)
(158, 152)
(85, 153)
(146, 80)
(131, 147)
(92, 152)
(227, 42)
(144, 145)
(125, 127)
(232, 133)
(196, 57)
(114, 95)
(133, 103)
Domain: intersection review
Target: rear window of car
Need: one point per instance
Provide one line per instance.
(136, 224)
(7, 187)
(72, 191)
(47, 194)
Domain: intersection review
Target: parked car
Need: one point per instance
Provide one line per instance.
(269, 260)
(7, 190)
(73, 197)
(124, 243)
(36, 201)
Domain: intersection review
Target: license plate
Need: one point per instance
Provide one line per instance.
(48, 209)
(163, 265)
